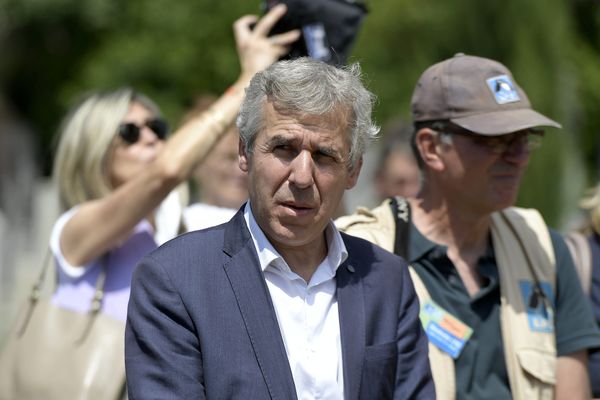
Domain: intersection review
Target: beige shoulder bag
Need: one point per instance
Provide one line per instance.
(55, 353)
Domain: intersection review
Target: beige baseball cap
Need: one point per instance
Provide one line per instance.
(477, 94)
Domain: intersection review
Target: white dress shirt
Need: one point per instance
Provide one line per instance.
(307, 314)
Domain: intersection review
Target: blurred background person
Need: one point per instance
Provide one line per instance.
(397, 172)
(218, 186)
(116, 171)
(585, 249)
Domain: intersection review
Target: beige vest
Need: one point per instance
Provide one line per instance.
(522, 248)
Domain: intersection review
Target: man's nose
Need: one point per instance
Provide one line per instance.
(518, 152)
(302, 169)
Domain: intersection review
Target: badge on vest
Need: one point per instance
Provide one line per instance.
(539, 305)
(443, 329)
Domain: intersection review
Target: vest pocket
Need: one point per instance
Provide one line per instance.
(540, 364)
(539, 372)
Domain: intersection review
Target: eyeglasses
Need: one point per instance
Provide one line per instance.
(530, 139)
(130, 132)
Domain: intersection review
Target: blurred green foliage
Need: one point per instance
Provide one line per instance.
(52, 51)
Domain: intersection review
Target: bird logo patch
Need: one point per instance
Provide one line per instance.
(503, 89)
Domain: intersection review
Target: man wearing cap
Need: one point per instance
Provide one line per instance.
(500, 301)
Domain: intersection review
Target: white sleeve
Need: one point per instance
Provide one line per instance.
(70, 270)
(168, 217)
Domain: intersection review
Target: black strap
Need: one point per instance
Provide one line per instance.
(401, 212)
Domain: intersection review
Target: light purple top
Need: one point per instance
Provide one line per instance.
(76, 284)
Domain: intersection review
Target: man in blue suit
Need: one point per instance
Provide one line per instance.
(276, 303)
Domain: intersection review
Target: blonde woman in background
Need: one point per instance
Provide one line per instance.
(116, 172)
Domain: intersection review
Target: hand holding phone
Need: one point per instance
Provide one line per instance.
(257, 50)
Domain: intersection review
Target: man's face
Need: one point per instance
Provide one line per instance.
(297, 175)
(483, 180)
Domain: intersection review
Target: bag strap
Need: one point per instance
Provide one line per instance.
(582, 257)
(36, 291)
(35, 294)
(96, 305)
(401, 211)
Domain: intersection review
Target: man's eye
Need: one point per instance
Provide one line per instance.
(283, 149)
(492, 141)
(324, 157)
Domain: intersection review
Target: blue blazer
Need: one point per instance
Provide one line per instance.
(201, 324)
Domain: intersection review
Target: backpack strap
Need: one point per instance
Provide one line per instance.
(401, 212)
(582, 257)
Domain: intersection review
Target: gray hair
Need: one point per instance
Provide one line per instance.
(311, 87)
(87, 135)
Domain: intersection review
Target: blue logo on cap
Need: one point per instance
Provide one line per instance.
(503, 89)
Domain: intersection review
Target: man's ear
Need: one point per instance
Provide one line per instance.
(242, 156)
(354, 173)
(428, 145)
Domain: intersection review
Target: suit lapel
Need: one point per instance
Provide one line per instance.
(350, 298)
(253, 298)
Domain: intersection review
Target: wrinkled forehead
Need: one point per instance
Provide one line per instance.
(337, 114)
(334, 123)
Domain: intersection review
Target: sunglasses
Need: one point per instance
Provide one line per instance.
(130, 132)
